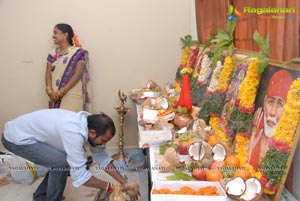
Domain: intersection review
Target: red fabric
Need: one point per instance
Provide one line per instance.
(255, 152)
(254, 159)
(185, 99)
(279, 84)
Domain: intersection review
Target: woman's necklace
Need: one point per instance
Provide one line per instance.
(63, 54)
(65, 51)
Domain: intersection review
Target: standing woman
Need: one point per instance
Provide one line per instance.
(67, 78)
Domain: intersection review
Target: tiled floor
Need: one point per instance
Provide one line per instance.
(22, 192)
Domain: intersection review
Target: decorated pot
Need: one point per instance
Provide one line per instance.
(183, 120)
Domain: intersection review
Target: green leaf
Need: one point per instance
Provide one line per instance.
(224, 40)
(262, 43)
(180, 175)
(230, 26)
(217, 55)
(186, 41)
(296, 60)
(222, 35)
(230, 49)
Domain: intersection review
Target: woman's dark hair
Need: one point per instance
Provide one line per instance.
(101, 123)
(65, 28)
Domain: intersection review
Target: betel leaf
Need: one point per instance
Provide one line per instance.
(225, 40)
(209, 42)
(262, 43)
(188, 42)
(263, 56)
(230, 26)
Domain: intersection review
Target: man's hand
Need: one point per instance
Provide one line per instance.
(132, 189)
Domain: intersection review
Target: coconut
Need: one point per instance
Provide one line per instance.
(196, 150)
(253, 190)
(208, 152)
(206, 162)
(235, 187)
(219, 152)
(202, 123)
(203, 134)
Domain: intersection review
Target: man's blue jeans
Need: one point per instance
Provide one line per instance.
(53, 184)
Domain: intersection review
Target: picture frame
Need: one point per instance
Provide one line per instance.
(271, 69)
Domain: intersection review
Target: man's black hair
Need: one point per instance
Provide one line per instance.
(101, 123)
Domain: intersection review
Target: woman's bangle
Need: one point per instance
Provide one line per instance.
(49, 90)
(61, 92)
(109, 188)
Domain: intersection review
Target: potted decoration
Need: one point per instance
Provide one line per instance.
(183, 117)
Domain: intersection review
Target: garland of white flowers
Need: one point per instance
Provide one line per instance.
(206, 69)
(215, 77)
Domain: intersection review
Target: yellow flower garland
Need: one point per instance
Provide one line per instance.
(183, 63)
(226, 74)
(288, 122)
(248, 88)
(246, 97)
(185, 56)
(241, 148)
(214, 122)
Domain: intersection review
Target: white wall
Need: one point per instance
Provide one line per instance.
(130, 42)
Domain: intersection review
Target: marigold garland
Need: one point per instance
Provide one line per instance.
(241, 117)
(183, 63)
(185, 56)
(249, 85)
(226, 73)
(241, 148)
(288, 122)
(191, 61)
(214, 122)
